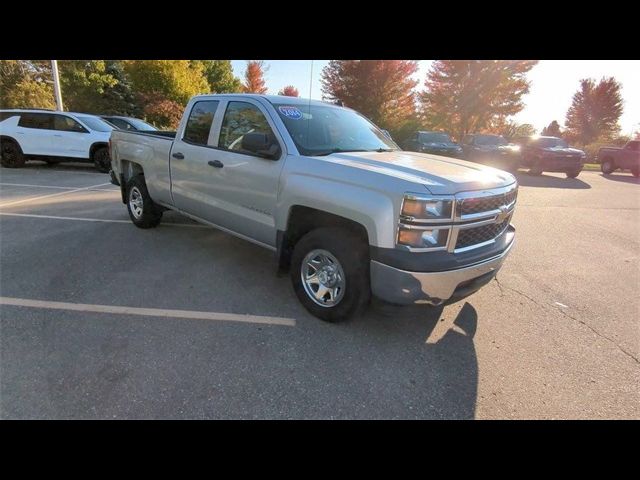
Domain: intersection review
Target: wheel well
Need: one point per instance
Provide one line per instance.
(95, 146)
(129, 170)
(301, 221)
(6, 138)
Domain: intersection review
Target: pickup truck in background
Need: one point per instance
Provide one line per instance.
(346, 211)
(550, 154)
(492, 150)
(625, 158)
(437, 143)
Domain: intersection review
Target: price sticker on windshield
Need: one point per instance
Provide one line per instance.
(290, 112)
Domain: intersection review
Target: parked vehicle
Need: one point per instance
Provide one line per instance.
(492, 150)
(346, 211)
(53, 137)
(613, 158)
(129, 123)
(551, 154)
(437, 143)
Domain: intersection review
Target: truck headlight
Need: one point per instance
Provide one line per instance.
(426, 208)
(423, 238)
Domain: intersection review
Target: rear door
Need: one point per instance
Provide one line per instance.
(35, 133)
(70, 138)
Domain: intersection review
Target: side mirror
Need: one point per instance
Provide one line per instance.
(261, 144)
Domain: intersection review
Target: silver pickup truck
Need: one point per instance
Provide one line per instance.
(347, 212)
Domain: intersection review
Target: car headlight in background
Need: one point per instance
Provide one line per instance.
(426, 208)
(423, 237)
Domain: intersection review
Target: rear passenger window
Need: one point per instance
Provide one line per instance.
(36, 120)
(200, 121)
(239, 119)
(67, 124)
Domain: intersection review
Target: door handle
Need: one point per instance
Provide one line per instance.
(178, 155)
(56, 135)
(216, 163)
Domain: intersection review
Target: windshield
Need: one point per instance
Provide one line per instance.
(435, 138)
(490, 140)
(550, 142)
(140, 125)
(322, 130)
(95, 123)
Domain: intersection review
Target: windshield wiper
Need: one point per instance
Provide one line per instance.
(335, 150)
(382, 150)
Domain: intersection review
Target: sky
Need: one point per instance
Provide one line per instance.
(553, 83)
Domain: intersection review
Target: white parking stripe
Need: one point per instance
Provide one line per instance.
(53, 186)
(31, 199)
(147, 312)
(106, 220)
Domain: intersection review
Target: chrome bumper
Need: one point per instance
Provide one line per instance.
(433, 288)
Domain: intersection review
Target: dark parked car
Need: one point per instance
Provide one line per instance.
(551, 154)
(613, 158)
(438, 143)
(493, 150)
(129, 123)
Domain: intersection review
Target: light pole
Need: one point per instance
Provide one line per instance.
(56, 85)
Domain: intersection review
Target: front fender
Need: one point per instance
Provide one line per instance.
(375, 210)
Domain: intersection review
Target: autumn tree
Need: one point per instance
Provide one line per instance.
(220, 77)
(382, 90)
(594, 111)
(552, 130)
(254, 77)
(159, 110)
(512, 129)
(465, 96)
(289, 91)
(26, 84)
(176, 80)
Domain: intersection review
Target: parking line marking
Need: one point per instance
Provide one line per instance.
(148, 312)
(52, 186)
(106, 220)
(66, 192)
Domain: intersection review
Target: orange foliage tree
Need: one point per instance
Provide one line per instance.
(254, 77)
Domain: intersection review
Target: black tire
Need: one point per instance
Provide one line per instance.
(635, 171)
(12, 156)
(143, 211)
(535, 169)
(101, 159)
(607, 166)
(573, 174)
(51, 162)
(351, 252)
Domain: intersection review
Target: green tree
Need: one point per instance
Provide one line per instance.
(552, 130)
(26, 84)
(83, 83)
(176, 80)
(512, 129)
(220, 77)
(382, 90)
(466, 96)
(594, 111)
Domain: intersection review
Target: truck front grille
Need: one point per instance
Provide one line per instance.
(474, 236)
(485, 204)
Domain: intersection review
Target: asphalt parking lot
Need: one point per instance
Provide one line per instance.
(556, 336)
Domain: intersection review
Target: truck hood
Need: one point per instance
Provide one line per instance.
(440, 175)
(563, 151)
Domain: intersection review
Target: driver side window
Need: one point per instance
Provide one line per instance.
(239, 119)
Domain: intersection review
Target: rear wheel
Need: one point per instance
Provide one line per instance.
(101, 159)
(607, 166)
(330, 273)
(12, 156)
(143, 211)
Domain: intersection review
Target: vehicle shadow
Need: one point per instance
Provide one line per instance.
(549, 181)
(71, 165)
(621, 177)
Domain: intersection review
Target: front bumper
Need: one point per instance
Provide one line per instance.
(402, 287)
(561, 165)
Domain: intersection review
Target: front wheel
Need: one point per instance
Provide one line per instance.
(607, 167)
(535, 169)
(635, 171)
(143, 211)
(573, 174)
(101, 160)
(330, 273)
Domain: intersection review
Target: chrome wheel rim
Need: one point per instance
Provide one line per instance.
(136, 202)
(323, 278)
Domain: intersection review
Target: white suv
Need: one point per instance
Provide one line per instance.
(53, 137)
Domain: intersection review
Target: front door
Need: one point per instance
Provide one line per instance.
(70, 139)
